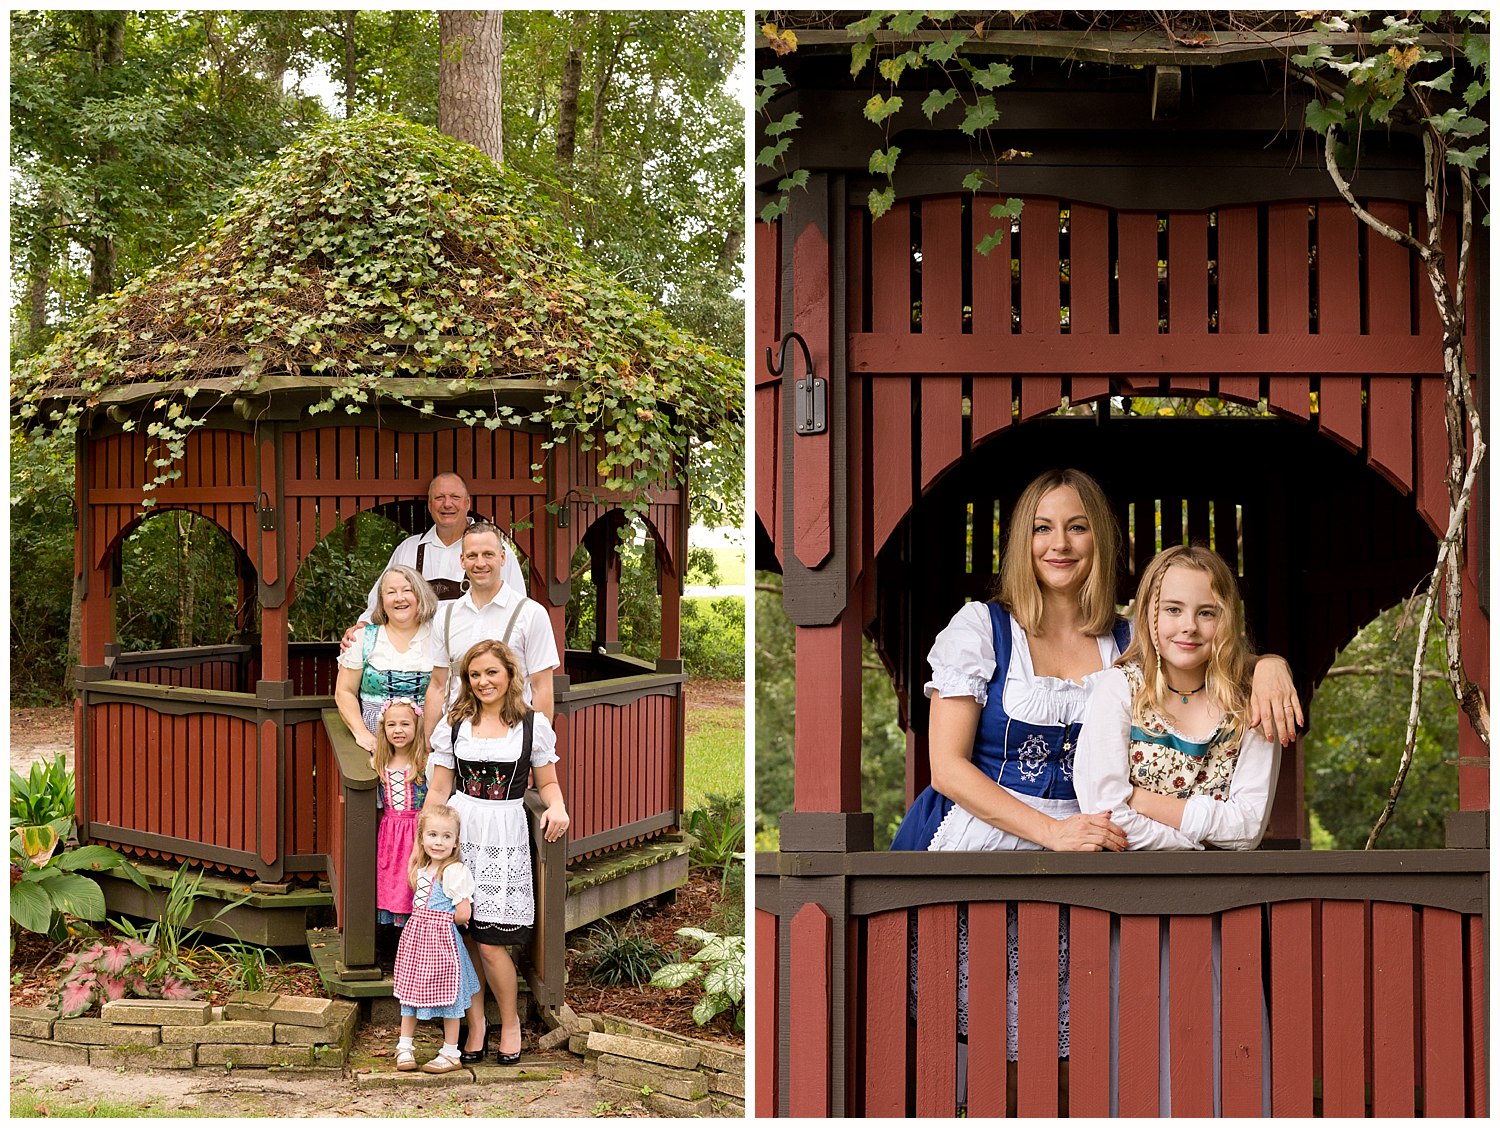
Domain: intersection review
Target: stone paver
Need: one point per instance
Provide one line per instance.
(157, 1012)
(688, 1084)
(645, 1049)
(97, 1032)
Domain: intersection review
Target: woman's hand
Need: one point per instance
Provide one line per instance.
(1086, 832)
(1274, 707)
(366, 740)
(554, 822)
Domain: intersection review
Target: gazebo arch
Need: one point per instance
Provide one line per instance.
(1196, 252)
(259, 777)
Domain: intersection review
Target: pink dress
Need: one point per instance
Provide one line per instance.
(403, 791)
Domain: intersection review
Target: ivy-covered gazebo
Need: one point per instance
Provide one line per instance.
(379, 305)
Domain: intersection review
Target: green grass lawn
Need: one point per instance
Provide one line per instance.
(731, 565)
(715, 743)
(29, 1103)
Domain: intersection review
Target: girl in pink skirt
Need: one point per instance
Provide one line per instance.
(400, 760)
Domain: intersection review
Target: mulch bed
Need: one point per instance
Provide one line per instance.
(35, 974)
(668, 1010)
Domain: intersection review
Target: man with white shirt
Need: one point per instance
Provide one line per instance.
(435, 554)
(490, 609)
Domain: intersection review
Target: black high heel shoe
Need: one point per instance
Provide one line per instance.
(473, 1057)
(503, 1058)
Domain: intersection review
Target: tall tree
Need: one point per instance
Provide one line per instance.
(469, 82)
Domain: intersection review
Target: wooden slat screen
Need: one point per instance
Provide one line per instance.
(1179, 1048)
(621, 768)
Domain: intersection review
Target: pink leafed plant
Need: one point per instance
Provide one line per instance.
(104, 973)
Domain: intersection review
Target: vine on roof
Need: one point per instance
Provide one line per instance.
(378, 248)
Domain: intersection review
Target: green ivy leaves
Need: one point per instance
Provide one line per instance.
(377, 248)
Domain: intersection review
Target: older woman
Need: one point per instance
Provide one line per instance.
(391, 657)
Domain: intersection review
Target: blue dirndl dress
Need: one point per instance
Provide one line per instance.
(1035, 763)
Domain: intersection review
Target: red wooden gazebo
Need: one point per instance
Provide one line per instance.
(1202, 253)
(232, 756)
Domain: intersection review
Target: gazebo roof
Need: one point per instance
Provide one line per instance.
(377, 257)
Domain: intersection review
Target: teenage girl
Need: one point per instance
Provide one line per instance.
(1166, 750)
(434, 977)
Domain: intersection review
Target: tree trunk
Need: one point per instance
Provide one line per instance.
(469, 84)
(729, 250)
(351, 70)
(109, 51)
(39, 279)
(567, 100)
(604, 71)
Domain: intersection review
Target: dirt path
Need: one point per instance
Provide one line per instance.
(198, 1092)
(39, 734)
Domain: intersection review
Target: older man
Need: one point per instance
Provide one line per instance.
(490, 609)
(435, 553)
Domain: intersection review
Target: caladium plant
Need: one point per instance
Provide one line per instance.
(104, 972)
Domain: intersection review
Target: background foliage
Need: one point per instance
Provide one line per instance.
(129, 129)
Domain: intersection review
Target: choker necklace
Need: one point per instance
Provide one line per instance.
(1185, 693)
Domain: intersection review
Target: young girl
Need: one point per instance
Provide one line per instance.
(434, 977)
(400, 760)
(481, 754)
(1166, 750)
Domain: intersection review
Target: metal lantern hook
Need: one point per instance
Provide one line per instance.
(811, 398)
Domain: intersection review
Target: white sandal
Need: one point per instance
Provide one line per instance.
(442, 1063)
(406, 1061)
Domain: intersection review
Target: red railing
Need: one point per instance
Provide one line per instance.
(1265, 984)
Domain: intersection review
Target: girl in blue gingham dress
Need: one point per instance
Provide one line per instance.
(434, 977)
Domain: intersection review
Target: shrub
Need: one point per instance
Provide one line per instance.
(45, 885)
(43, 795)
(718, 830)
(105, 972)
(616, 956)
(721, 962)
(713, 637)
(728, 917)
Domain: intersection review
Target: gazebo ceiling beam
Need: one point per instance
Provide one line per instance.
(1134, 47)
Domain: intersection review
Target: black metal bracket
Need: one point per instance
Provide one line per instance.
(810, 405)
(267, 513)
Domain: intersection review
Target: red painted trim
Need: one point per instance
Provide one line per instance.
(767, 997)
(1242, 1003)
(1345, 1024)
(1475, 1063)
(812, 538)
(1191, 1015)
(987, 974)
(1041, 296)
(1393, 1023)
(1150, 356)
(1291, 1009)
(1443, 1051)
(937, 1006)
(942, 248)
(828, 737)
(1140, 1002)
(1187, 280)
(1036, 1041)
(811, 1007)
(885, 1025)
(990, 274)
(890, 426)
(1088, 1012)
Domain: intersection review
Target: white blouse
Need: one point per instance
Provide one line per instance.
(458, 882)
(963, 662)
(384, 656)
(1102, 779)
(496, 749)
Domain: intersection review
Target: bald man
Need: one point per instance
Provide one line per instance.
(435, 553)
